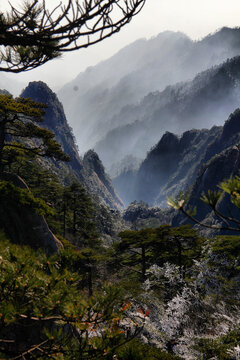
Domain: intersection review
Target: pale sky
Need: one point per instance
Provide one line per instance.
(196, 18)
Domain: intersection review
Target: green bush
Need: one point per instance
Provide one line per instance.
(135, 350)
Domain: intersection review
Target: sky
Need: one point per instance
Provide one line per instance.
(196, 18)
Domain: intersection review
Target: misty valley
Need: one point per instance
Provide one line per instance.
(120, 206)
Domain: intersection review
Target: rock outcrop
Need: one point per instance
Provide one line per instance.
(23, 225)
(92, 176)
(97, 172)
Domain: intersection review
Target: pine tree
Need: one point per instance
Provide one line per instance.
(19, 130)
(43, 314)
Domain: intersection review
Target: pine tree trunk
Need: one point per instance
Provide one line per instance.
(143, 263)
(2, 141)
(90, 288)
(179, 246)
(64, 220)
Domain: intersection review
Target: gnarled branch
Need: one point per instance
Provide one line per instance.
(33, 35)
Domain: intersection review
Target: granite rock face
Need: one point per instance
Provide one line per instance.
(96, 170)
(89, 170)
(24, 226)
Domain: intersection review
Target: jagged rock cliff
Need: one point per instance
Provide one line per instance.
(22, 224)
(96, 170)
(55, 120)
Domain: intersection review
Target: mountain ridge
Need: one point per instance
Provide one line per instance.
(204, 101)
(176, 162)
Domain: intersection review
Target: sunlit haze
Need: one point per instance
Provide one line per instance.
(194, 17)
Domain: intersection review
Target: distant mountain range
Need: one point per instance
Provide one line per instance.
(197, 160)
(205, 101)
(105, 98)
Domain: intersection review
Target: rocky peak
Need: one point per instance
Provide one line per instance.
(225, 35)
(89, 171)
(92, 162)
(168, 143)
(54, 118)
(188, 137)
(231, 126)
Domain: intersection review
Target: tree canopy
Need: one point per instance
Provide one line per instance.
(33, 34)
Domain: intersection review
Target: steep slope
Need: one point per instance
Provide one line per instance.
(203, 102)
(97, 174)
(22, 223)
(96, 96)
(56, 121)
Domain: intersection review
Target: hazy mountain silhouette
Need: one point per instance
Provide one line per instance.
(198, 158)
(94, 99)
(203, 102)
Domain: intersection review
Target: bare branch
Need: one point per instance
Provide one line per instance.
(33, 35)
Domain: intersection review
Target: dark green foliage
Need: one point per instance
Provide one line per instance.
(136, 350)
(11, 195)
(19, 130)
(227, 246)
(138, 250)
(220, 348)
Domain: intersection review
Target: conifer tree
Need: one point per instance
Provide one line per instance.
(43, 314)
(19, 129)
(138, 250)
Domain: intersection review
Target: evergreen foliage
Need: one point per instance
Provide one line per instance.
(225, 347)
(14, 196)
(135, 350)
(19, 120)
(43, 313)
(138, 250)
